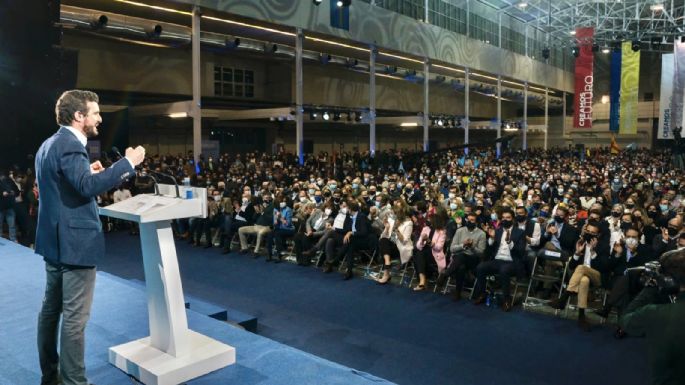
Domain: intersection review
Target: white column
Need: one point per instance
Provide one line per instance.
(546, 114)
(299, 96)
(467, 90)
(563, 113)
(499, 114)
(524, 141)
(372, 100)
(425, 5)
(426, 107)
(196, 110)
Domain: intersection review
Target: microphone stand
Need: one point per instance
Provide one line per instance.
(168, 176)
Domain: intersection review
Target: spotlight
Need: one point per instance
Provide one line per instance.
(339, 3)
(358, 117)
(440, 122)
(317, 2)
(545, 53)
(312, 115)
(343, 3)
(575, 51)
(325, 115)
(336, 116)
(595, 47)
(155, 31)
(635, 46)
(100, 22)
(232, 44)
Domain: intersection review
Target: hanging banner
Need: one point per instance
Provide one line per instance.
(630, 77)
(664, 130)
(615, 90)
(582, 100)
(678, 84)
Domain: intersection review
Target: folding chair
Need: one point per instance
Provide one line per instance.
(530, 300)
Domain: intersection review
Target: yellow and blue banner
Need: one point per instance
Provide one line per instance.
(630, 77)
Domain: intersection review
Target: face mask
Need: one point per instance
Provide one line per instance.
(652, 214)
(377, 204)
(543, 213)
(558, 219)
(451, 195)
(217, 198)
(332, 187)
(672, 232)
(470, 225)
(663, 208)
(372, 193)
(343, 210)
(631, 242)
(506, 223)
(319, 183)
(493, 216)
(521, 218)
(565, 200)
(245, 200)
(630, 205)
(282, 204)
(588, 237)
(311, 191)
(626, 225)
(303, 199)
(327, 212)
(453, 206)
(355, 185)
(615, 214)
(317, 198)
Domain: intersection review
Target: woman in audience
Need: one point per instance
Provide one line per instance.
(431, 246)
(395, 241)
(283, 227)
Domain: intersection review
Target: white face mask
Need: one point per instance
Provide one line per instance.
(303, 199)
(343, 210)
(631, 242)
(245, 200)
(327, 212)
(452, 195)
(217, 198)
(282, 204)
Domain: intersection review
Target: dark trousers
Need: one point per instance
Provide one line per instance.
(68, 292)
(504, 270)
(346, 250)
(624, 289)
(461, 264)
(278, 237)
(303, 242)
(231, 227)
(423, 260)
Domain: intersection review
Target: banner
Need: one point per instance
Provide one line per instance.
(582, 100)
(678, 84)
(615, 90)
(664, 130)
(630, 78)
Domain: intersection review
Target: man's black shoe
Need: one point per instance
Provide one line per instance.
(348, 274)
(327, 268)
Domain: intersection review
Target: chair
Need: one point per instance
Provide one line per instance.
(530, 300)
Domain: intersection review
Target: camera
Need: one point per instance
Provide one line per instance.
(654, 276)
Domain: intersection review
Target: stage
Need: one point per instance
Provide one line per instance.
(119, 315)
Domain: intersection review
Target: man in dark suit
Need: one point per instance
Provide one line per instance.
(506, 251)
(69, 235)
(352, 237)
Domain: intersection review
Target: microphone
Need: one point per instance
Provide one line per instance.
(116, 151)
(168, 176)
(143, 173)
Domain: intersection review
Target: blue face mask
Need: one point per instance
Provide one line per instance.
(493, 216)
(543, 213)
(663, 207)
(332, 187)
(355, 185)
(317, 198)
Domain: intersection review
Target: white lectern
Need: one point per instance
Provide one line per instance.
(172, 354)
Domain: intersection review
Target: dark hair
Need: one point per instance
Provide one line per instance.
(439, 218)
(673, 264)
(505, 210)
(353, 205)
(73, 101)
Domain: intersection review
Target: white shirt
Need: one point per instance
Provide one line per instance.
(84, 141)
(588, 256)
(504, 251)
(121, 195)
(535, 238)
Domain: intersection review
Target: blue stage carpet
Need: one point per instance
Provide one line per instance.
(119, 315)
(391, 332)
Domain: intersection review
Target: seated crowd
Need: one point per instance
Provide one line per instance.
(453, 218)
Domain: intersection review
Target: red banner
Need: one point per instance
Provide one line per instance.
(582, 101)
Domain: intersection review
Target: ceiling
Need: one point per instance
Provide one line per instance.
(648, 20)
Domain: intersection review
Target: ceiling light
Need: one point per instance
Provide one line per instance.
(177, 115)
(573, 32)
(312, 115)
(317, 2)
(326, 116)
(409, 124)
(522, 4)
(605, 50)
(658, 7)
(339, 3)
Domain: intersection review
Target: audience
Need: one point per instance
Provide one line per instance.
(445, 213)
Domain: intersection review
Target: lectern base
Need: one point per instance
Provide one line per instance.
(154, 367)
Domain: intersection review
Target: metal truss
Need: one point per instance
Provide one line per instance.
(653, 22)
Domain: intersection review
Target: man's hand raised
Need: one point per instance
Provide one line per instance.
(135, 155)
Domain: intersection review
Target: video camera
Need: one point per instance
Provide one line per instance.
(654, 276)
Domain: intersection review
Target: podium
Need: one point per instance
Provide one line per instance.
(172, 354)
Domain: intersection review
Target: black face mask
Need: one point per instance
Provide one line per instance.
(506, 223)
(589, 237)
(521, 218)
(652, 214)
(672, 232)
(626, 225)
(630, 206)
(558, 219)
(470, 225)
(594, 222)
(615, 214)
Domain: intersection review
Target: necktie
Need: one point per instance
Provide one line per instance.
(508, 238)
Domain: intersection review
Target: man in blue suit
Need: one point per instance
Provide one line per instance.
(69, 235)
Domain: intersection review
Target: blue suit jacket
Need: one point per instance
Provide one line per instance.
(69, 229)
